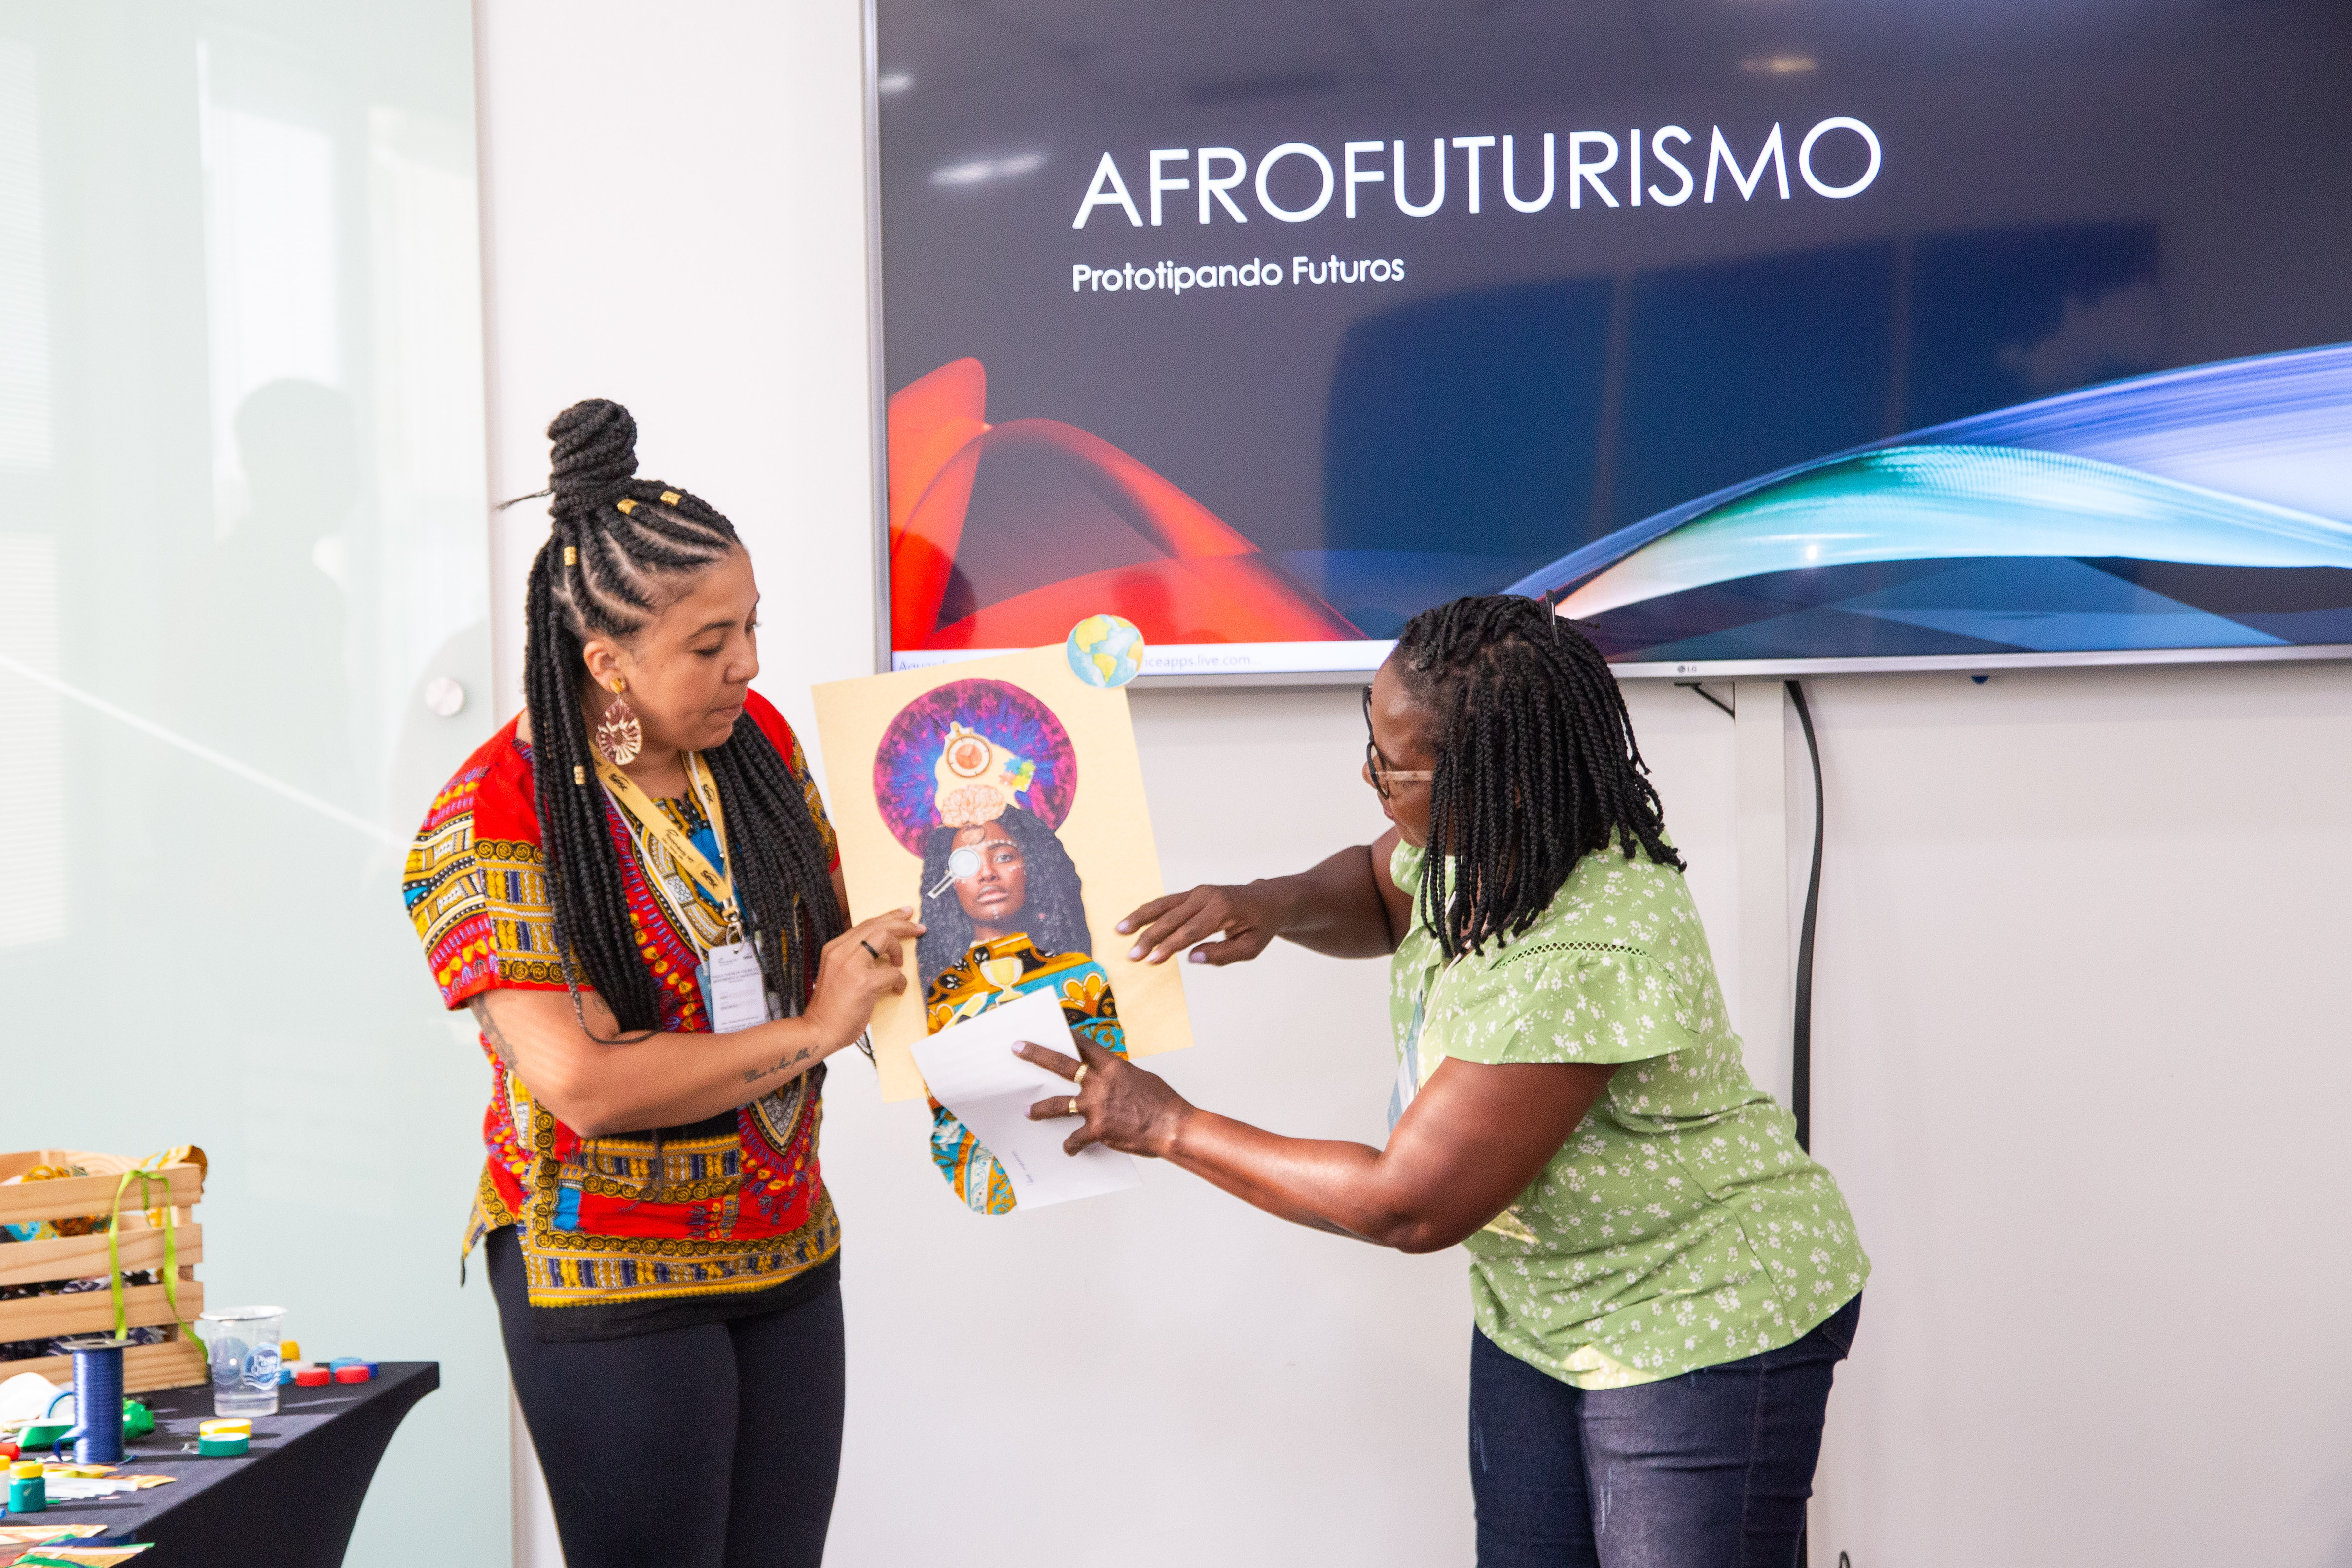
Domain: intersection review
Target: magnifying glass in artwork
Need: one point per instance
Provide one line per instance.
(963, 863)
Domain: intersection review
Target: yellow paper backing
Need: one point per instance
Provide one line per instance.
(1108, 835)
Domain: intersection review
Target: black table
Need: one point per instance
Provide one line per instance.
(291, 1501)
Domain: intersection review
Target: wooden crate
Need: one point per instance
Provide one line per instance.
(176, 1362)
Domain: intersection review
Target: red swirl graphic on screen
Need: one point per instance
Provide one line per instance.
(988, 520)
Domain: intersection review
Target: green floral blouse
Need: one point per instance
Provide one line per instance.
(1680, 1225)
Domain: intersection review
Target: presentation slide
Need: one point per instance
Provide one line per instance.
(1752, 333)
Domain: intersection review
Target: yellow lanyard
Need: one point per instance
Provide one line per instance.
(638, 808)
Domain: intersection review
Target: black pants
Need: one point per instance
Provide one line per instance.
(714, 1447)
(1710, 1469)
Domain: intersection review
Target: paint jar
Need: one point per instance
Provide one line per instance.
(28, 1493)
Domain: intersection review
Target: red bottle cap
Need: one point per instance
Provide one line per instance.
(314, 1377)
(353, 1374)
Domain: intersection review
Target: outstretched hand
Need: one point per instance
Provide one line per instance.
(1123, 1107)
(1244, 914)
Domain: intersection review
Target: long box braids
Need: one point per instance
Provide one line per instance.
(1536, 766)
(618, 547)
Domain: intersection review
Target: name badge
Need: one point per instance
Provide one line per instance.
(732, 988)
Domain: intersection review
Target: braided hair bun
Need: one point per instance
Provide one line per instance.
(595, 455)
(621, 548)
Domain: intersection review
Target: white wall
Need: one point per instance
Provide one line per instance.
(2082, 1051)
(2081, 1004)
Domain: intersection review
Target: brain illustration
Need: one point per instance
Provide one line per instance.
(960, 752)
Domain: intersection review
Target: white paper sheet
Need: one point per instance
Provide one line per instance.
(972, 1070)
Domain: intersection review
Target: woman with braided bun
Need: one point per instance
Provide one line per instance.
(634, 888)
(1662, 1280)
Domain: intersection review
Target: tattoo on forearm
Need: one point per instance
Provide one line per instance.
(491, 1031)
(798, 1056)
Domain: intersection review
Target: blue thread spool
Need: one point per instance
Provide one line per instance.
(98, 1401)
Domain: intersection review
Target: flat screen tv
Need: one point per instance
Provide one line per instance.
(1759, 335)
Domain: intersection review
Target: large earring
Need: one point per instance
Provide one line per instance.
(619, 736)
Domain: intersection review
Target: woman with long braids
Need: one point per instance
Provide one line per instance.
(634, 888)
(1662, 1281)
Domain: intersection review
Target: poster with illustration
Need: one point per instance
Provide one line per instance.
(1003, 798)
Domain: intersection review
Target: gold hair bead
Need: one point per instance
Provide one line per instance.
(579, 775)
(626, 506)
(669, 498)
(570, 556)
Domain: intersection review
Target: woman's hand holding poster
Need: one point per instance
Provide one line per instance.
(1002, 799)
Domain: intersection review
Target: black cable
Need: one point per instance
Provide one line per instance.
(1711, 696)
(1800, 1074)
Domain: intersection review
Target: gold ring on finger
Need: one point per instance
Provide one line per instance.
(1080, 1078)
(1074, 1106)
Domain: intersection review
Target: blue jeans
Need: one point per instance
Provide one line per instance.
(1710, 1469)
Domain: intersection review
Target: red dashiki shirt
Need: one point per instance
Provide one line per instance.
(737, 1207)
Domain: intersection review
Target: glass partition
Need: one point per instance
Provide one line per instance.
(244, 635)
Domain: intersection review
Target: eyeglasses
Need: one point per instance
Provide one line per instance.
(1377, 766)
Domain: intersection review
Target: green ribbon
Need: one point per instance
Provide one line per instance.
(171, 1251)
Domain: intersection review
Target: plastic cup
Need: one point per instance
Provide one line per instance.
(242, 1345)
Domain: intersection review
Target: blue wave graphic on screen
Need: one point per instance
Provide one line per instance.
(2207, 508)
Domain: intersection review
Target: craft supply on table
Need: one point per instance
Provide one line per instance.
(80, 1483)
(105, 1246)
(24, 1396)
(98, 1399)
(59, 1545)
(242, 1345)
(224, 1437)
(37, 1437)
(27, 1488)
(47, 1533)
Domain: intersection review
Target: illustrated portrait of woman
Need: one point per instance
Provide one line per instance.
(976, 776)
(1016, 881)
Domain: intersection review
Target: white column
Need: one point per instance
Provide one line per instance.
(1767, 947)
(535, 1543)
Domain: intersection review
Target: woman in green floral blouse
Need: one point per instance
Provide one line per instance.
(1662, 1282)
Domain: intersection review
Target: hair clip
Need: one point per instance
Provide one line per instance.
(624, 505)
(572, 555)
(670, 497)
(579, 775)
